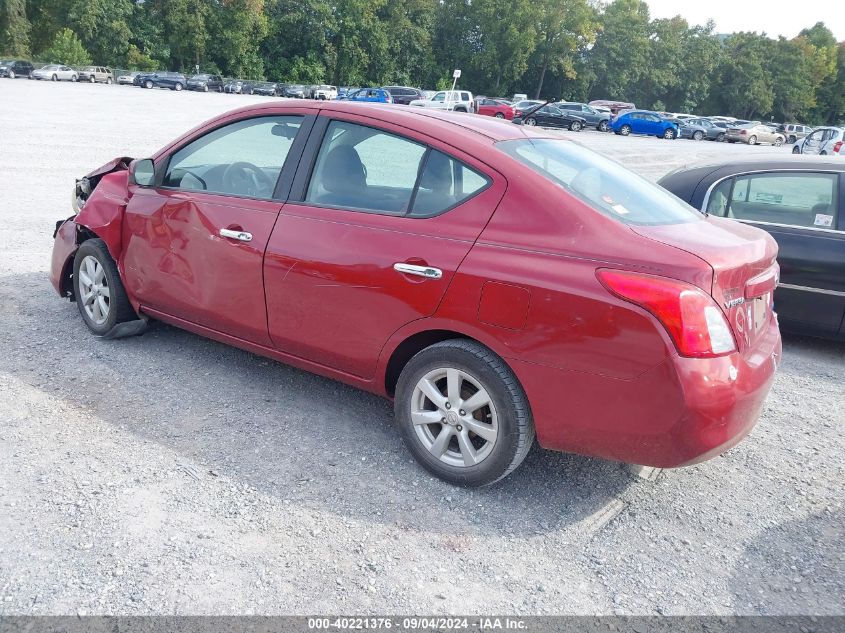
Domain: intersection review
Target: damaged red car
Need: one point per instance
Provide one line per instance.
(499, 284)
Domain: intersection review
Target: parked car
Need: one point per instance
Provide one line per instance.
(128, 78)
(644, 122)
(369, 95)
(710, 130)
(205, 82)
(754, 134)
(94, 74)
(799, 204)
(793, 132)
(550, 116)
(520, 107)
(494, 108)
(825, 141)
(14, 68)
(688, 128)
(594, 118)
(403, 95)
(293, 91)
(171, 80)
(234, 86)
(615, 107)
(324, 92)
(265, 88)
(519, 96)
(455, 100)
(524, 285)
(55, 72)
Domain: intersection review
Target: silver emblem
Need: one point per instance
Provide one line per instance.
(732, 303)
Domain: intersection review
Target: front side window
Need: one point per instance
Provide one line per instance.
(242, 159)
(440, 96)
(796, 199)
(600, 182)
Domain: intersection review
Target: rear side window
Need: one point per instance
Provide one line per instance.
(796, 199)
(444, 182)
(603, 184)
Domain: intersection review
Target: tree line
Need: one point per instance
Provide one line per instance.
(561, 49)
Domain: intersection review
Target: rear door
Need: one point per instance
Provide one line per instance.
(370, 238)
(803, 212)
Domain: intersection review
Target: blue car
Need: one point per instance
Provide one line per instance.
(644, 122)
(369, 95)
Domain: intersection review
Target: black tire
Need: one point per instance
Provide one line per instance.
(148, 84)
(515, 426)
(120, 310)
(11, 74)
(55, 77)
(602, 126)
(499, 115)
(698, 135)
(720, 138)
(822, 153)
(205, 88)
(575, 126)
(625, 130)
(796, 150)
(669, 134)
(752, 140)
(91, 79)
(793, 139)
(108, 81)
(531, 122)
(778, 141)
(177, 87)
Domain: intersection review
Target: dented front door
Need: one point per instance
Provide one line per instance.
(198, 257)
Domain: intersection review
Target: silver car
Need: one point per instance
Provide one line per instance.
(55, 72)
(825, 141)
(754, 133)
(127, 79)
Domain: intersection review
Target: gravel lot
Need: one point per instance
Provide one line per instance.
(169, 474)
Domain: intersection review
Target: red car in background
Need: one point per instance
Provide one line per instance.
(497, 283)
(494, 108)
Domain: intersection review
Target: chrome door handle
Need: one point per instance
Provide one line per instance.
(242, 236)
(420, 271)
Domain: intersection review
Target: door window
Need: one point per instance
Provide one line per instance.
(242, 159)
(444, 183)
(797, 199)
(440, 96)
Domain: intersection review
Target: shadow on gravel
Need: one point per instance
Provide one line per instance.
(796, 344)
(796, 567)
(290, 434)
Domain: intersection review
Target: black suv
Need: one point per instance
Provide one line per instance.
(404, 95)
(174, 81)
(205, 83)
(15, 68)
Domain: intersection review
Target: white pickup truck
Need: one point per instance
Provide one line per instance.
(456, 100)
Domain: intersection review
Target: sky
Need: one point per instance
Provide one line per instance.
(775, 18)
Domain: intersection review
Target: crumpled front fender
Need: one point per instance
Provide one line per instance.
(103, 208)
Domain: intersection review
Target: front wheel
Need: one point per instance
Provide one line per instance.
(793, 139)
(796, 150)
(531, 122)
(463, 414)
(778, 141)
(177, 87)
(752, 140)
(91, 79)
(98, 290)
(720, 138)
(55, 77)
(625, 130)
(603, 126)
(11, 74)
(499, 115)
(575, 126)
(697, 136)
(822, 153)
(148, 84)
(669, 134)
(108, 81)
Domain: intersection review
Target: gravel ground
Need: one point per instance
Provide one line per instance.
(170, 474)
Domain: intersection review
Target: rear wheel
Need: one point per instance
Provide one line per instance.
(778, 141)
(91, 79)
(625, 130)
(822, 153)
(575, 126)
(499, 115)
(602, 126)
(463, 414)
(148, 84)
(108, 81)
(796, 150)
(11, 74)
(720, 138)
(752, 140)
(177, 87)
(99, 292)
(205, 88)
(55, 77)
(793, 139)
(697, 136)
(531, 122)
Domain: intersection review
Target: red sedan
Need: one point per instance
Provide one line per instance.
(494, 282)
(494, 108)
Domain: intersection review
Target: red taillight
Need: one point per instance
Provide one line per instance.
(743, 132)
(837, 146)
(693, 319)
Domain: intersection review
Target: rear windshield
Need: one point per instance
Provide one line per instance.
(600, 182)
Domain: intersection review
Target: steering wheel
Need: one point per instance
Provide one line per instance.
(246, 179)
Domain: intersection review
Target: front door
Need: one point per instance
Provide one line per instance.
(194, 244)
(370, 239)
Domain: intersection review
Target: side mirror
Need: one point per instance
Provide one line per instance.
(142, 172)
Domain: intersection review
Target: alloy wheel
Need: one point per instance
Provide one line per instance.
(530, 122)
(454, 417)
(94, 290)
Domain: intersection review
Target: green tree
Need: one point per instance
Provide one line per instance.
(745, 86)
(242, 25)
(184, 29)
(14, 28)
(564, 30)
(619, 58)
(506, 37)
(67, 49)
(103, 28)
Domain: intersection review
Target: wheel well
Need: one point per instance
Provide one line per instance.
(83, 234)
(408, 348)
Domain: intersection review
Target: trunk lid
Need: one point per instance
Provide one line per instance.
(745, 270)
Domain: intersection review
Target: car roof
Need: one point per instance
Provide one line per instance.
(434, 122)
(690, 176)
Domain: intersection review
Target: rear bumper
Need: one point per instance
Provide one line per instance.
(680, 412)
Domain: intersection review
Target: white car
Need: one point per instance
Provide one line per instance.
(127, 79)
(327, 93)
(824, 141)
(455, 100)
(55, 72)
